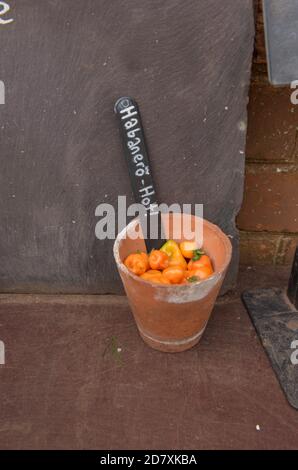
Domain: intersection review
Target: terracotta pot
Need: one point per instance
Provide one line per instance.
(173, 318)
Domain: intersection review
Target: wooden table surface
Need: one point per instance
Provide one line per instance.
(77, 375)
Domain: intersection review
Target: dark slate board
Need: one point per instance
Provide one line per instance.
(64, 64)
(276, 322)
(281, 28)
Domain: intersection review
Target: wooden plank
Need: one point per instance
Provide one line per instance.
(78, 376)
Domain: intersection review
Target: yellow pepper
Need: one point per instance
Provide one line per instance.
(176, 258)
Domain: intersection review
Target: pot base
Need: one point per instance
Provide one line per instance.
(172, 346)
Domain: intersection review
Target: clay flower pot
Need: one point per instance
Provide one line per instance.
(173, 318)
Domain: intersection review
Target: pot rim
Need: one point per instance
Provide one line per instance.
(215, 275)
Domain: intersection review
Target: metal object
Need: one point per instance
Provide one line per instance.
(281, 32)
(275, 317)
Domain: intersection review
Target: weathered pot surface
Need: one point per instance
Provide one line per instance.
(173, 318)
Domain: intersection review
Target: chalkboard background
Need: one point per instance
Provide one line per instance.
(64, 63)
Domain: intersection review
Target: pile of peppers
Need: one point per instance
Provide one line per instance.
(173, 264)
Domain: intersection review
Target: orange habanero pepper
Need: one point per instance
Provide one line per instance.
(158, 260)
(137, 263)
(188, 248)
(202, 262)
(174, 274)
(199, 273)
(155, 276)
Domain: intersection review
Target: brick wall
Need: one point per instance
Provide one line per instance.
(268, 220)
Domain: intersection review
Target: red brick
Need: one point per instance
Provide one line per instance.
(270, 198)
(267, 248)
(272, 125)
